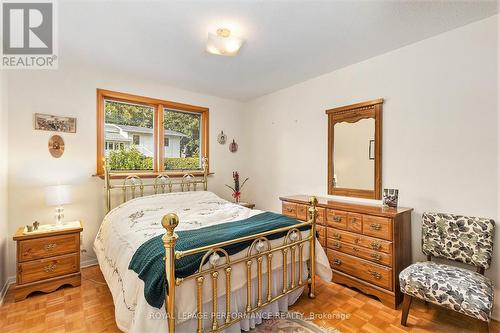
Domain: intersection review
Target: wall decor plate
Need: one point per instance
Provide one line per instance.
(233, 147)
(46, 122)
(56, 146)
(222, 138)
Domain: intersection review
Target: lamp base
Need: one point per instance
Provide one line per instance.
(59, 216)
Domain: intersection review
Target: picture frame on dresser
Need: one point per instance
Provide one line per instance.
(367, 245)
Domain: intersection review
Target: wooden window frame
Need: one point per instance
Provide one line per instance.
(158, 106)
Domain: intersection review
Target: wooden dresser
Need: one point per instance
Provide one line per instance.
(47, 260)
(367, 246)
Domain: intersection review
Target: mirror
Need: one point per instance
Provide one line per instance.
(354, 150)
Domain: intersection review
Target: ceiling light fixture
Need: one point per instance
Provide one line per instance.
(222, 43)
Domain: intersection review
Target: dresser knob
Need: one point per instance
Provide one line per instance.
(356, 241)
(337, 219)
(50, 268)
(337, 236)
(50, 246)
(375, 275)
(337, 245)
(376, 256)
(355, 249)
(375, 226)
(375, 245)
(337, 261)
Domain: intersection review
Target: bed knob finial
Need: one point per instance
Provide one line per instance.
(313, 201)
(170, 222)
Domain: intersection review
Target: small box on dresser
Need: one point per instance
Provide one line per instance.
(46, 260)
(367, 246)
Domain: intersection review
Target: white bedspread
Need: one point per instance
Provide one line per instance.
(129, 225)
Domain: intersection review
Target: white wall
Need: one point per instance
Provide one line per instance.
(440, 128)
(4, 237)
(72, 92)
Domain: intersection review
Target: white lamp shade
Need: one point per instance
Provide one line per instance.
(57, 195)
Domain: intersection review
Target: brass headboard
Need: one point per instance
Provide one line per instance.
(134, 185)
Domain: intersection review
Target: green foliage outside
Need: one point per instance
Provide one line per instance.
(188, 124)
(128, 114)
(132, 159)
(179, 163)
(129, 159)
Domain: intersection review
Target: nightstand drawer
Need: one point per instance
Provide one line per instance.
(45, 247)
(37, 270)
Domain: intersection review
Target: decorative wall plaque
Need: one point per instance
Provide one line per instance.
(56, 146)
(233, 147)
(222, 138)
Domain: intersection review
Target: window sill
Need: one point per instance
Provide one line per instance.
(173, 174)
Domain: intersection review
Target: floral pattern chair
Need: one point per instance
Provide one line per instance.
(464, 239)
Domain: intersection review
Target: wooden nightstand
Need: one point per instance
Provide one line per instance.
(47, 259)
(247, 205)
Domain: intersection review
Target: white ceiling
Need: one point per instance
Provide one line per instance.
(286, 41)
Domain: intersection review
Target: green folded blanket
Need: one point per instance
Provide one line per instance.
(149, 263)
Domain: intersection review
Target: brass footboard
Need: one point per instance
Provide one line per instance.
(260, 252)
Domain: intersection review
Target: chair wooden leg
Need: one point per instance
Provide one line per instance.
(405, 308)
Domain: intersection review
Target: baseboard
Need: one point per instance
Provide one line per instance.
(88, 262)
(5, 287)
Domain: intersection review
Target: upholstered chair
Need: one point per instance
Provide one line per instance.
(464, 239)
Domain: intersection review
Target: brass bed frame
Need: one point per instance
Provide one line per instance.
(219, 260)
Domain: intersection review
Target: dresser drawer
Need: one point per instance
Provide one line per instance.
(322, 235)
(380, 227)
(361, 252)
(289, 209)
(355, 222)
(302, 212)
(45, 247)
(360, 268)
(361, 240)
(336, 219)
(37, 270)
(320, 218)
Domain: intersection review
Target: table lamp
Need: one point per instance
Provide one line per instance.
(58, 196)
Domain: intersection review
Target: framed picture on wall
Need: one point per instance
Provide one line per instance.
(46, 122)
(371, 150)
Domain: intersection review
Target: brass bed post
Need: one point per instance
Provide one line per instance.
(312, 255)
(205, 173)
(169, 222)
(107, 184)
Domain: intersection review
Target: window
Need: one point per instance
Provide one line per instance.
(130, 139)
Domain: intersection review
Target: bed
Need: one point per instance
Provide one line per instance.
(229, 291)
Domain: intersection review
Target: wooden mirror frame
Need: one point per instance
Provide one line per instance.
(351, 114)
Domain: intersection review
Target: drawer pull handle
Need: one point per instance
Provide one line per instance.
(354, 221)
(376, 256)
(375, 275)
(337, 245)
(375, 226)
(355, 249)
(50, 246)
(376, 245)
(50, 268)
(288, 209)
(337, 236)
(356, 241)
(337, 219)
(337, 261)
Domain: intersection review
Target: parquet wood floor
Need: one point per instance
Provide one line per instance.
(89, 308)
